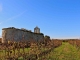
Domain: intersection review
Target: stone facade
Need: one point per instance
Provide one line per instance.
(0, 40)
(14, 34)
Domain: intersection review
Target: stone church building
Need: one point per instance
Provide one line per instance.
(15, 34)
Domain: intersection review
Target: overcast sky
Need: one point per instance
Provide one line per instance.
(56, 18)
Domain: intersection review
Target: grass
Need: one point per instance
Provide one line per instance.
(65, 52)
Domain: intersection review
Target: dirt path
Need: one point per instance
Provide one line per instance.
(64, 52)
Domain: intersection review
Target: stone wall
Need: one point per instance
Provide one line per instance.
(0, 40)
(14, 34)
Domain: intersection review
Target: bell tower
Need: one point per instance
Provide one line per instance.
(36, 30)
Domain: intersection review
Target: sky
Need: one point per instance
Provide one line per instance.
(56, 18)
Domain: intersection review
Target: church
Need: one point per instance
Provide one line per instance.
(15, 34)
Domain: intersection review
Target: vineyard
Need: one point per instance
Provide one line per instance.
(47, 50)
(75, 42)
(27, 50)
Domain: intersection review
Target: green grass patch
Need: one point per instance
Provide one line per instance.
(64, 52)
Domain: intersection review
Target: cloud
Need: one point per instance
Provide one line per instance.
(0, 7)
(16, 16)
(11, 18)
(66, 38)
